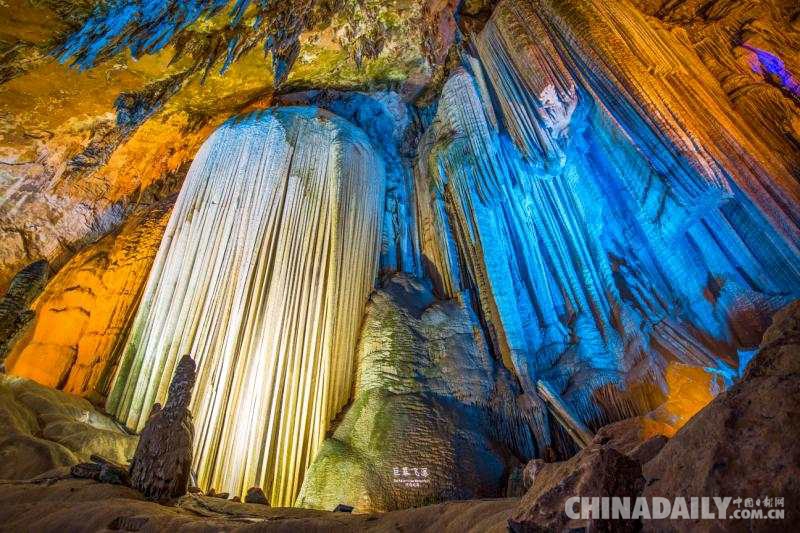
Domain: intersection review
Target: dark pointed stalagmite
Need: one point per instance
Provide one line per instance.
(162, 463)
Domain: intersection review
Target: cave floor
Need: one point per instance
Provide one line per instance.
(55, 502)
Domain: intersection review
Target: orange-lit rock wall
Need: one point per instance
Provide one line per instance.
(650, 78)
(70, 167)
(84, 314)
(690, 388)
(730, 38)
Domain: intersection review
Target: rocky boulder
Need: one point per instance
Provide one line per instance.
(744, 443)
(434, 416)
(640, 437)
(598, 470)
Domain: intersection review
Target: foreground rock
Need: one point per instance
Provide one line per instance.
(597, 470)
(640, 438)
(256, 495)
(745, 443)
(42, 429)
(102, 470)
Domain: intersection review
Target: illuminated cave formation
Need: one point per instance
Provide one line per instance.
(262, 275)
(411, 251)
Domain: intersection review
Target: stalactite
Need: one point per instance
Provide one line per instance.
(262, 275)
(665, 99)
(384, 117)
(608, 224)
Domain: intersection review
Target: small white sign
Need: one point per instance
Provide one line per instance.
(412, 477)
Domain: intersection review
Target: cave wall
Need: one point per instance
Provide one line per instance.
(105, 104)
(84, 315)
(751, 50)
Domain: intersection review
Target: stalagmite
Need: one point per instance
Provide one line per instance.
(161, 466)
(434, 416)
(262, 276)
(563, 413)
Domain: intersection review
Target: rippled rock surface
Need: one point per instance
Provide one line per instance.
(84, 315)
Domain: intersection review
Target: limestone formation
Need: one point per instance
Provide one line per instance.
(256, 495)
(15, 314)
(751, 48)
(71, 167)
(162, 464)
(596, 471)
(576, 218)
(268, 258)
(586, 177)
(87, 309)
(42, 429)
(434, 417)
(744, 443)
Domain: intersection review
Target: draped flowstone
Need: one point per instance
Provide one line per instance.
(610, 213)
(262, 275)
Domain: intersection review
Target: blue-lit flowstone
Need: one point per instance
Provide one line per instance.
(602, 242)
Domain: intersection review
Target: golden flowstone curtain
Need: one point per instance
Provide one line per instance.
(262, 275)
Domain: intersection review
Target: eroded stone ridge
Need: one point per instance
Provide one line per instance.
(16, 317)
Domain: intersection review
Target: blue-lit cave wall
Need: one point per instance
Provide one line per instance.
(598, 246)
